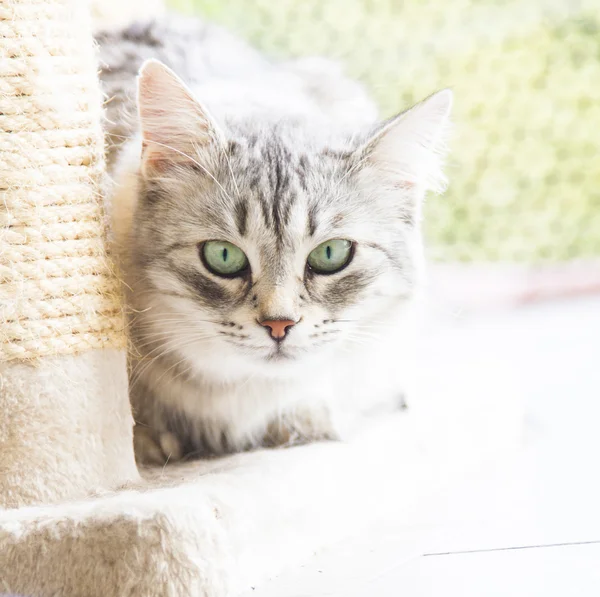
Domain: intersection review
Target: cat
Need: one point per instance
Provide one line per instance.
(268, 231)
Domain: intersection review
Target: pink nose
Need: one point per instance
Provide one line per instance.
(278, 327)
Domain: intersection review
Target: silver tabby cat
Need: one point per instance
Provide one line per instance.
(268, 231)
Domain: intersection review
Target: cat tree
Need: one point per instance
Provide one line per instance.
(65, 425)
(77, 518)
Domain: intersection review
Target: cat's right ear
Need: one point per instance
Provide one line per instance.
(176, 129)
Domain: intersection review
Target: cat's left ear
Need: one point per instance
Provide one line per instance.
(176, 129)
(407, 152)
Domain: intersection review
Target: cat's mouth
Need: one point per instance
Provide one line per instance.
(279, 353)
(273, 354)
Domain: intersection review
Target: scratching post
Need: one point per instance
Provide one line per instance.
(65, 424)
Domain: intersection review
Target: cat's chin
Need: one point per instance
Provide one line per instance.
(276, 360)
(283, 363)
(279, 357)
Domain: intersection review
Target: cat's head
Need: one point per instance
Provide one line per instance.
(260, 246)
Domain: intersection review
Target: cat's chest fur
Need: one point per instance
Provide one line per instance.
(324, 399)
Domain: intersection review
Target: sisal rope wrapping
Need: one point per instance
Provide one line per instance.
(58, 294)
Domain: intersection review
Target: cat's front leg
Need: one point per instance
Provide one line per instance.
(301, 426)
(155, 447)
(315, 423)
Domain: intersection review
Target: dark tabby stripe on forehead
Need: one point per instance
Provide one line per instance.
(278, 184)
(312, 219)
(279, 159)
(302, 171)
(241, 216)
(264, 203)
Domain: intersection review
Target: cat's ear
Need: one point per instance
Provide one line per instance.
(407, 151)
(176, 129)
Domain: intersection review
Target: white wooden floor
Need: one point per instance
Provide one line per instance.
(524, 529)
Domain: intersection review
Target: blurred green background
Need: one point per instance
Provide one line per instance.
(525, 155)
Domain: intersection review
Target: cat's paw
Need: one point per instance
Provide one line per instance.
(301, 427)
(156, 448)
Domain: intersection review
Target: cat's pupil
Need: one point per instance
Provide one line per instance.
(328, 251)
(225, 254)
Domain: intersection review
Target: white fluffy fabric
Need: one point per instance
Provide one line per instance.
(65, 427)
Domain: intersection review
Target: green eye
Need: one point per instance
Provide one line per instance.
(331, 256)
(223, 258)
